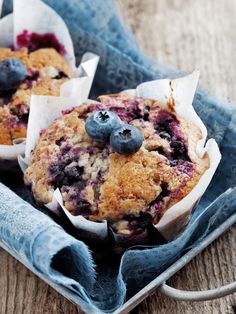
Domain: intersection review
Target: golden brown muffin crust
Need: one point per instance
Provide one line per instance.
(10, 127)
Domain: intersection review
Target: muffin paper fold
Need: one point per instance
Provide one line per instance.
(35, 17)
(45, 109)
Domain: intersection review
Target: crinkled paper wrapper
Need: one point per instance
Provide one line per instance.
(180, 90)
(36, 17)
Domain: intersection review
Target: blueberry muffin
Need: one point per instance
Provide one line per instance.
(129, 177)
(23, 73)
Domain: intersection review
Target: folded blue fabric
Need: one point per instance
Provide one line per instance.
(42, 243)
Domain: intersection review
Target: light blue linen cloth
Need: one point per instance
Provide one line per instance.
(39, 241)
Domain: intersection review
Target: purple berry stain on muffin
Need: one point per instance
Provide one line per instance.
(64, 171)
(31, 77)
(139, 223)
(167, 126)
(34, 41)
(66, 174)
(72, 179)
(182, 166)
(123, 114)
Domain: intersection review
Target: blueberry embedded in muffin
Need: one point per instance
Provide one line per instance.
(100, 178)
(23, 73)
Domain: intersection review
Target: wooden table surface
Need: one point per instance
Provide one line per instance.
(186, 35)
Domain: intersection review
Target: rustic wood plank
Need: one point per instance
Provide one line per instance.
(185, 35)
(188, 35)
(23, 293)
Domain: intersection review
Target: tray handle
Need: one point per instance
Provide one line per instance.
(204, 295)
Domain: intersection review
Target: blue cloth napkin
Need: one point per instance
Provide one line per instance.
(101, 284)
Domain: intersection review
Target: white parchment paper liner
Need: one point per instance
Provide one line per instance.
(182, 91)
(36, 16)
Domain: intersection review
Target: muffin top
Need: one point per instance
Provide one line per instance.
(46, 70)
(100, 184)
